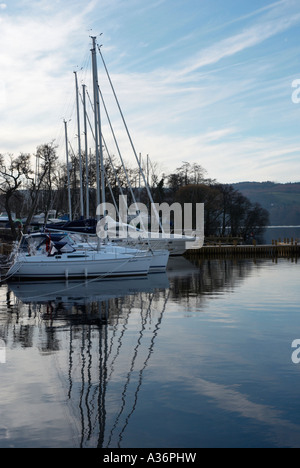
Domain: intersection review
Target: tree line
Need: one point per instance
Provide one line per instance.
(30, 184)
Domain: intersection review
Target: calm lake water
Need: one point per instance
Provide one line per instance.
(200, 357)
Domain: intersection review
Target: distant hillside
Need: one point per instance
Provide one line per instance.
(281, 200)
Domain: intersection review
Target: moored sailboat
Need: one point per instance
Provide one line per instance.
(42, 243)
(60, 260)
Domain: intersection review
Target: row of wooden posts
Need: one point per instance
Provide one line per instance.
(286, 241)
(286, 248)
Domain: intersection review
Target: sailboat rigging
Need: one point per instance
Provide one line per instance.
(67, 259)
(157, 240)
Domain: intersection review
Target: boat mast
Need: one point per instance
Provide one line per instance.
(79, 146)
(140, 159)
(98, 133)
(96, 99)
(68, 171)
(86, 154)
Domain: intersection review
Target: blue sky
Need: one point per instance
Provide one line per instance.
(206, 81)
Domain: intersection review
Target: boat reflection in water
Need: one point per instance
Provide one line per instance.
(103, 334)
(86, 292)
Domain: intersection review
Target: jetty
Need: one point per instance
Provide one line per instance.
(274, 250)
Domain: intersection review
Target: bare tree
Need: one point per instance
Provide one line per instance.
(43, 179)
(13, 173)
(16, 172)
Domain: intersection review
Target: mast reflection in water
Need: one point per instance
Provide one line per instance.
(111, 328)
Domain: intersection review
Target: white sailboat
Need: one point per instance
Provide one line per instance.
(37, 243)
(40, 257)
(159, 256)
(79, 264)
(162, 244)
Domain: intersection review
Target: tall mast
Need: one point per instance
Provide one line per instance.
(98, 132)
(140, 174)
(86, 155)
(148, 172)
(68, 171)
(79, 147)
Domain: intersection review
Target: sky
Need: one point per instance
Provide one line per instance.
(212, 82)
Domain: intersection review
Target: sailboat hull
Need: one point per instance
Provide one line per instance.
(78, 265)
(159, 261)
(175, 247)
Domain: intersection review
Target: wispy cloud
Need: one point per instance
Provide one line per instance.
(271, 6)
(277, 20)
(39, 50)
